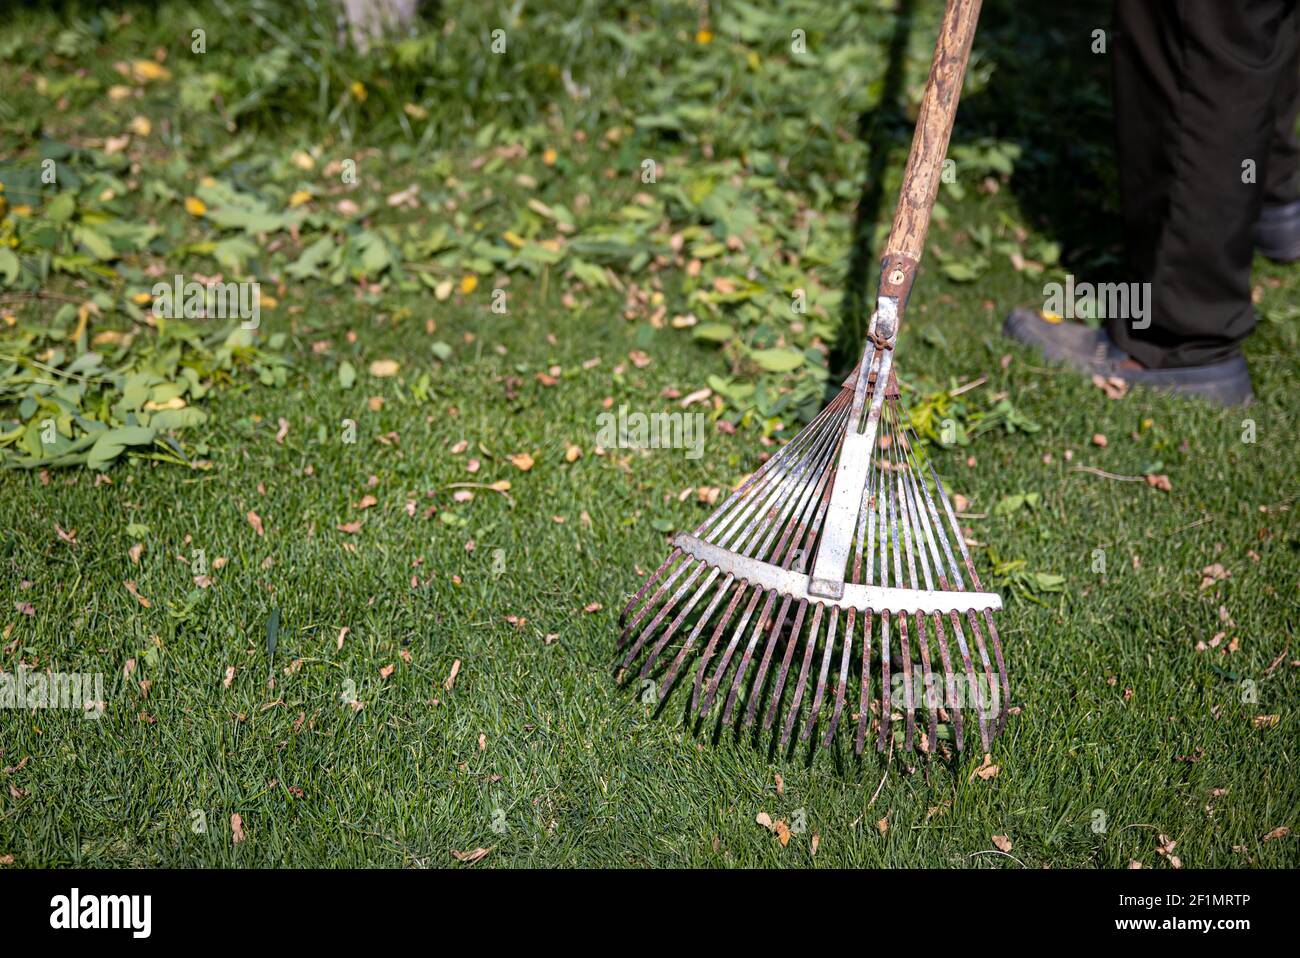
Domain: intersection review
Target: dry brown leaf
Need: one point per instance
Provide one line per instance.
(384, 368)
(343, 634)
(283, 431)
(255, 521)
(1280, 832)
(1159, 481)
(229, 680)
(782, 833)
(572, 453)
(1002, 842)
(451, 677)
(764, 819)
(522, 461)
(815, 844)
(882, 826)
(780, 784)
(1265, 721)
(130, 587)
(351, 528)
(236, 828)
(386, 671)
(986, 770)
(366, 501)
(134, 552)
(470, 857)
(1212, 574)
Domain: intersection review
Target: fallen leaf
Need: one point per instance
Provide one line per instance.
(1002, 842)
(384, 368)
(782, 833)
(451, 678)
(592, 607)
(283, 431)
(236, 828)
(470, 857)
(255, 521)
(343, 634)
(1099, 439)
(350, 528)
(764, 819)
(882, 826)
(1280, 832)
(986, 770)
(130, 587)
(522, 461)
(230, 677)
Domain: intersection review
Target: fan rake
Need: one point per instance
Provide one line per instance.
(855, 494)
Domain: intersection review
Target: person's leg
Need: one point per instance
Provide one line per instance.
(1283, 185)
(1277, 235)
(1196, 115)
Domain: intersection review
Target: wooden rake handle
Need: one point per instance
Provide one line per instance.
(929, 147)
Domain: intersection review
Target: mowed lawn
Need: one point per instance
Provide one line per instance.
(378, 669)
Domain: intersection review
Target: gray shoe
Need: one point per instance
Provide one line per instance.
(1091, 351)
(1277, 234)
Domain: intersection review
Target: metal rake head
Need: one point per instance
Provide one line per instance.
(738, 583)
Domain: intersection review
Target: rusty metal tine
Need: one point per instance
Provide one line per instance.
(846, 655)
(658, 594)
(810, 645)
(738, 589)
(923, 533)
(905, 652)
(810, 434)
(945, 583)
(664, 639)
(820, 690)
(907, 508)
(864, 715)
(663, 612)
(725, 658)
(766, 661)
(762, 624)
(882, 504)
(645, 586)
(795, 631)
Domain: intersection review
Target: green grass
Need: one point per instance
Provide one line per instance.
(535, 734)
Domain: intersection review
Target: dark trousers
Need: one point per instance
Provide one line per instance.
(1201, 88)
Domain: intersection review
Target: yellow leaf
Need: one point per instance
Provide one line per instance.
(415, 112)
(299, 198)
(522, 461)
(147, 71)
(267, 301)
(704, 37)
(141, 126)
(572, 453)
(176, 402)
(549, 157)
(302, 160)
(513, 238)
(383, 368)
(468, 283)
(119, 91)
(501, 485)
(142, 299)
(195, 206)
(359, 91)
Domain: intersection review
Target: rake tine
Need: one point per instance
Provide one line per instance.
(640, 593)
(726, 655)
(845, 657)
(663, 611)
(654, 599)
(809, 647)
(921, 523)
(764, 623)
(795, 631)
(737, 590)
(909, 520)
(773, 635)
(905, 653)
(659, 646)
(820, 690)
